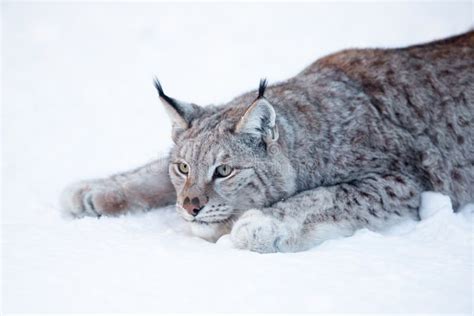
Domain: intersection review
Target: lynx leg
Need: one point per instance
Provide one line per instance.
(314, 216)
(141, 189)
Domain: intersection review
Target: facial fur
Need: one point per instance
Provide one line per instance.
(260, 172)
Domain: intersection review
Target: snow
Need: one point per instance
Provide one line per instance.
(432, 203)
(78, 102)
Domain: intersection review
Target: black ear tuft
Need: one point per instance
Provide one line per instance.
(174, 103)
(262, 87)
(158, 87)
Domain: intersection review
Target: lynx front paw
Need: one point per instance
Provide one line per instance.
(92, 198)
(259, 232)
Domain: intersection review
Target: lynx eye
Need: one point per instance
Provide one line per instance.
(183, 168)
(223, 171)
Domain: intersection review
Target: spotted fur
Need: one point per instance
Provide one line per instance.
(348, 143)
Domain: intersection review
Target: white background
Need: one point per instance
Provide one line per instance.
(78, 102)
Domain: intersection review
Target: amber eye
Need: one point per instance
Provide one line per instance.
(223, 171)
(183, 168)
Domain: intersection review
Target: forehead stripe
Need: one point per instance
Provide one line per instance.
(198, 150)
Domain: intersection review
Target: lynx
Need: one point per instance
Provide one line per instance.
(350, 142)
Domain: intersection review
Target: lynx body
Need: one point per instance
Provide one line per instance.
(348, 143)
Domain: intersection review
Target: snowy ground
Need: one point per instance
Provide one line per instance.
(78, 103)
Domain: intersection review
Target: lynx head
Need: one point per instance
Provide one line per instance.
(225, 161)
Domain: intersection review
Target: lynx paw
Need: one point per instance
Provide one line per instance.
(92, 198)
(258, 232)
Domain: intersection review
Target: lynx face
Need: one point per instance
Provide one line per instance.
(225, 163)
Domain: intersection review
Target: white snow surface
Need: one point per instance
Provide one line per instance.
(78, 102)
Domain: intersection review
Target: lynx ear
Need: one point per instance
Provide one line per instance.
(181, 113)
(259, 119)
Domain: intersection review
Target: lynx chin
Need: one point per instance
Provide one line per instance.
(348, 143)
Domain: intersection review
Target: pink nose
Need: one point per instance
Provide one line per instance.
(192, 206)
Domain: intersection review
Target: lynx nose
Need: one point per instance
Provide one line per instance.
(192, 206)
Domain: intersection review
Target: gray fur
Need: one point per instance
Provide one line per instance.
(350, 142)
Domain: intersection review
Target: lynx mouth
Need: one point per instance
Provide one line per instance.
(210, 222)
(206, 220)
(194, 220)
